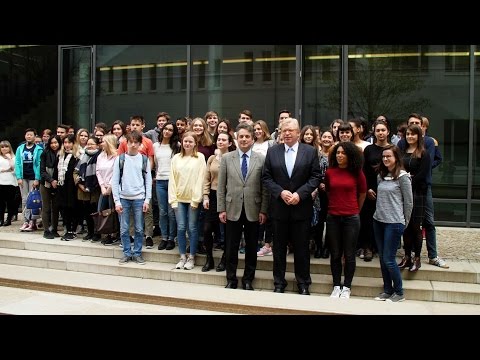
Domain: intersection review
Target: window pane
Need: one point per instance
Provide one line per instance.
(122, 92)
(321, 86)
(450, 212)
(399, 79)
(28, 90)
(232, 78)
(476, 131)
(476, 213)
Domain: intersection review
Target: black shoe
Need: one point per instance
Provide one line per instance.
(318, 253)
(55, 233)
(247, 285)
(8, 222)
(109, 240)
(48, 235)
(231, 285)
(2, 222)
(209, 264)
(96, 238)
(170, 245)
(221, 264)
(279, 290)
(303, 290)
(325, 253)
(87, 237)
(149, 242)
(68, 236)
(162, 245)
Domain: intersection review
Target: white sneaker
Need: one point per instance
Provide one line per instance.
(265, 251)
(24, 226)
(181, 263)
(345, 294)
(190, 264)
(336, 292)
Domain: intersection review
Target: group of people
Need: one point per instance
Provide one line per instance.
(211, 183)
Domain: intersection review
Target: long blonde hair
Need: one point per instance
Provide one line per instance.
(110, 141)
(7, 144)
(195, 148)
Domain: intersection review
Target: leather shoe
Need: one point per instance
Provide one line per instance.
(325, 253)
(231, 285)
(247, 286)
(318, 253)
(279, 290)
(303, 290)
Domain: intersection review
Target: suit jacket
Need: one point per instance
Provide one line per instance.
(233, 191)
(305, 178)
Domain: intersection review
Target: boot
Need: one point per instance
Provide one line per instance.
(318, 252)
(209, 264)
(221, 264)
(8, 222)
(406, 262)
(416, 264)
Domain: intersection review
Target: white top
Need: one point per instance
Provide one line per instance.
(7, 174)
(163, 159)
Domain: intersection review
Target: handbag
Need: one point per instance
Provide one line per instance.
(105, 221)
(34, 200)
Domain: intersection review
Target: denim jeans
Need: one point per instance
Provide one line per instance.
(136, 207)
(342, 235)
(187, 218)
(428, 223)
(167, 222)
(388, 237)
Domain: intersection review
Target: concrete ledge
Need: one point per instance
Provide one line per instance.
(211, 298)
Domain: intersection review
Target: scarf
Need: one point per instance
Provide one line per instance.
(86, 168)
(63, 167)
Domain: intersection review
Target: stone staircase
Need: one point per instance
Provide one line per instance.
(51, 260)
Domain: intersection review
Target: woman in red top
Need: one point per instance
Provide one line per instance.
(346, 188)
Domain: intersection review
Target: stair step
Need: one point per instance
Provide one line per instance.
(211, 298)
(464, 272)
(321, 283)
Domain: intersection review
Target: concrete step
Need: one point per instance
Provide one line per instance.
(203, 297)
(425, 290)
(463, 272)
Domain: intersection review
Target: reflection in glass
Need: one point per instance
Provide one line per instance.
(28, 89)
(140, 80)
(450, 212)
(476, 130)
(321, 86)
(232, 78)
(399, 79)
(76, 86)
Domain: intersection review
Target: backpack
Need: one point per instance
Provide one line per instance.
(121, 162)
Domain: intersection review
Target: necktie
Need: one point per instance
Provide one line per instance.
(289, 161)
(244, 166)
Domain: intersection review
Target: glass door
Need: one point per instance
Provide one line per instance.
(76, 87)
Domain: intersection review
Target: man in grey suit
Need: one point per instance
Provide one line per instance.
(242, 203)
(291, 173)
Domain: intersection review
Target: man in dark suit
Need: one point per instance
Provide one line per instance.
(242, 203)
(291, 173)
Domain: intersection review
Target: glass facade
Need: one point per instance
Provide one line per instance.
(28, 89)
(317, 83)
